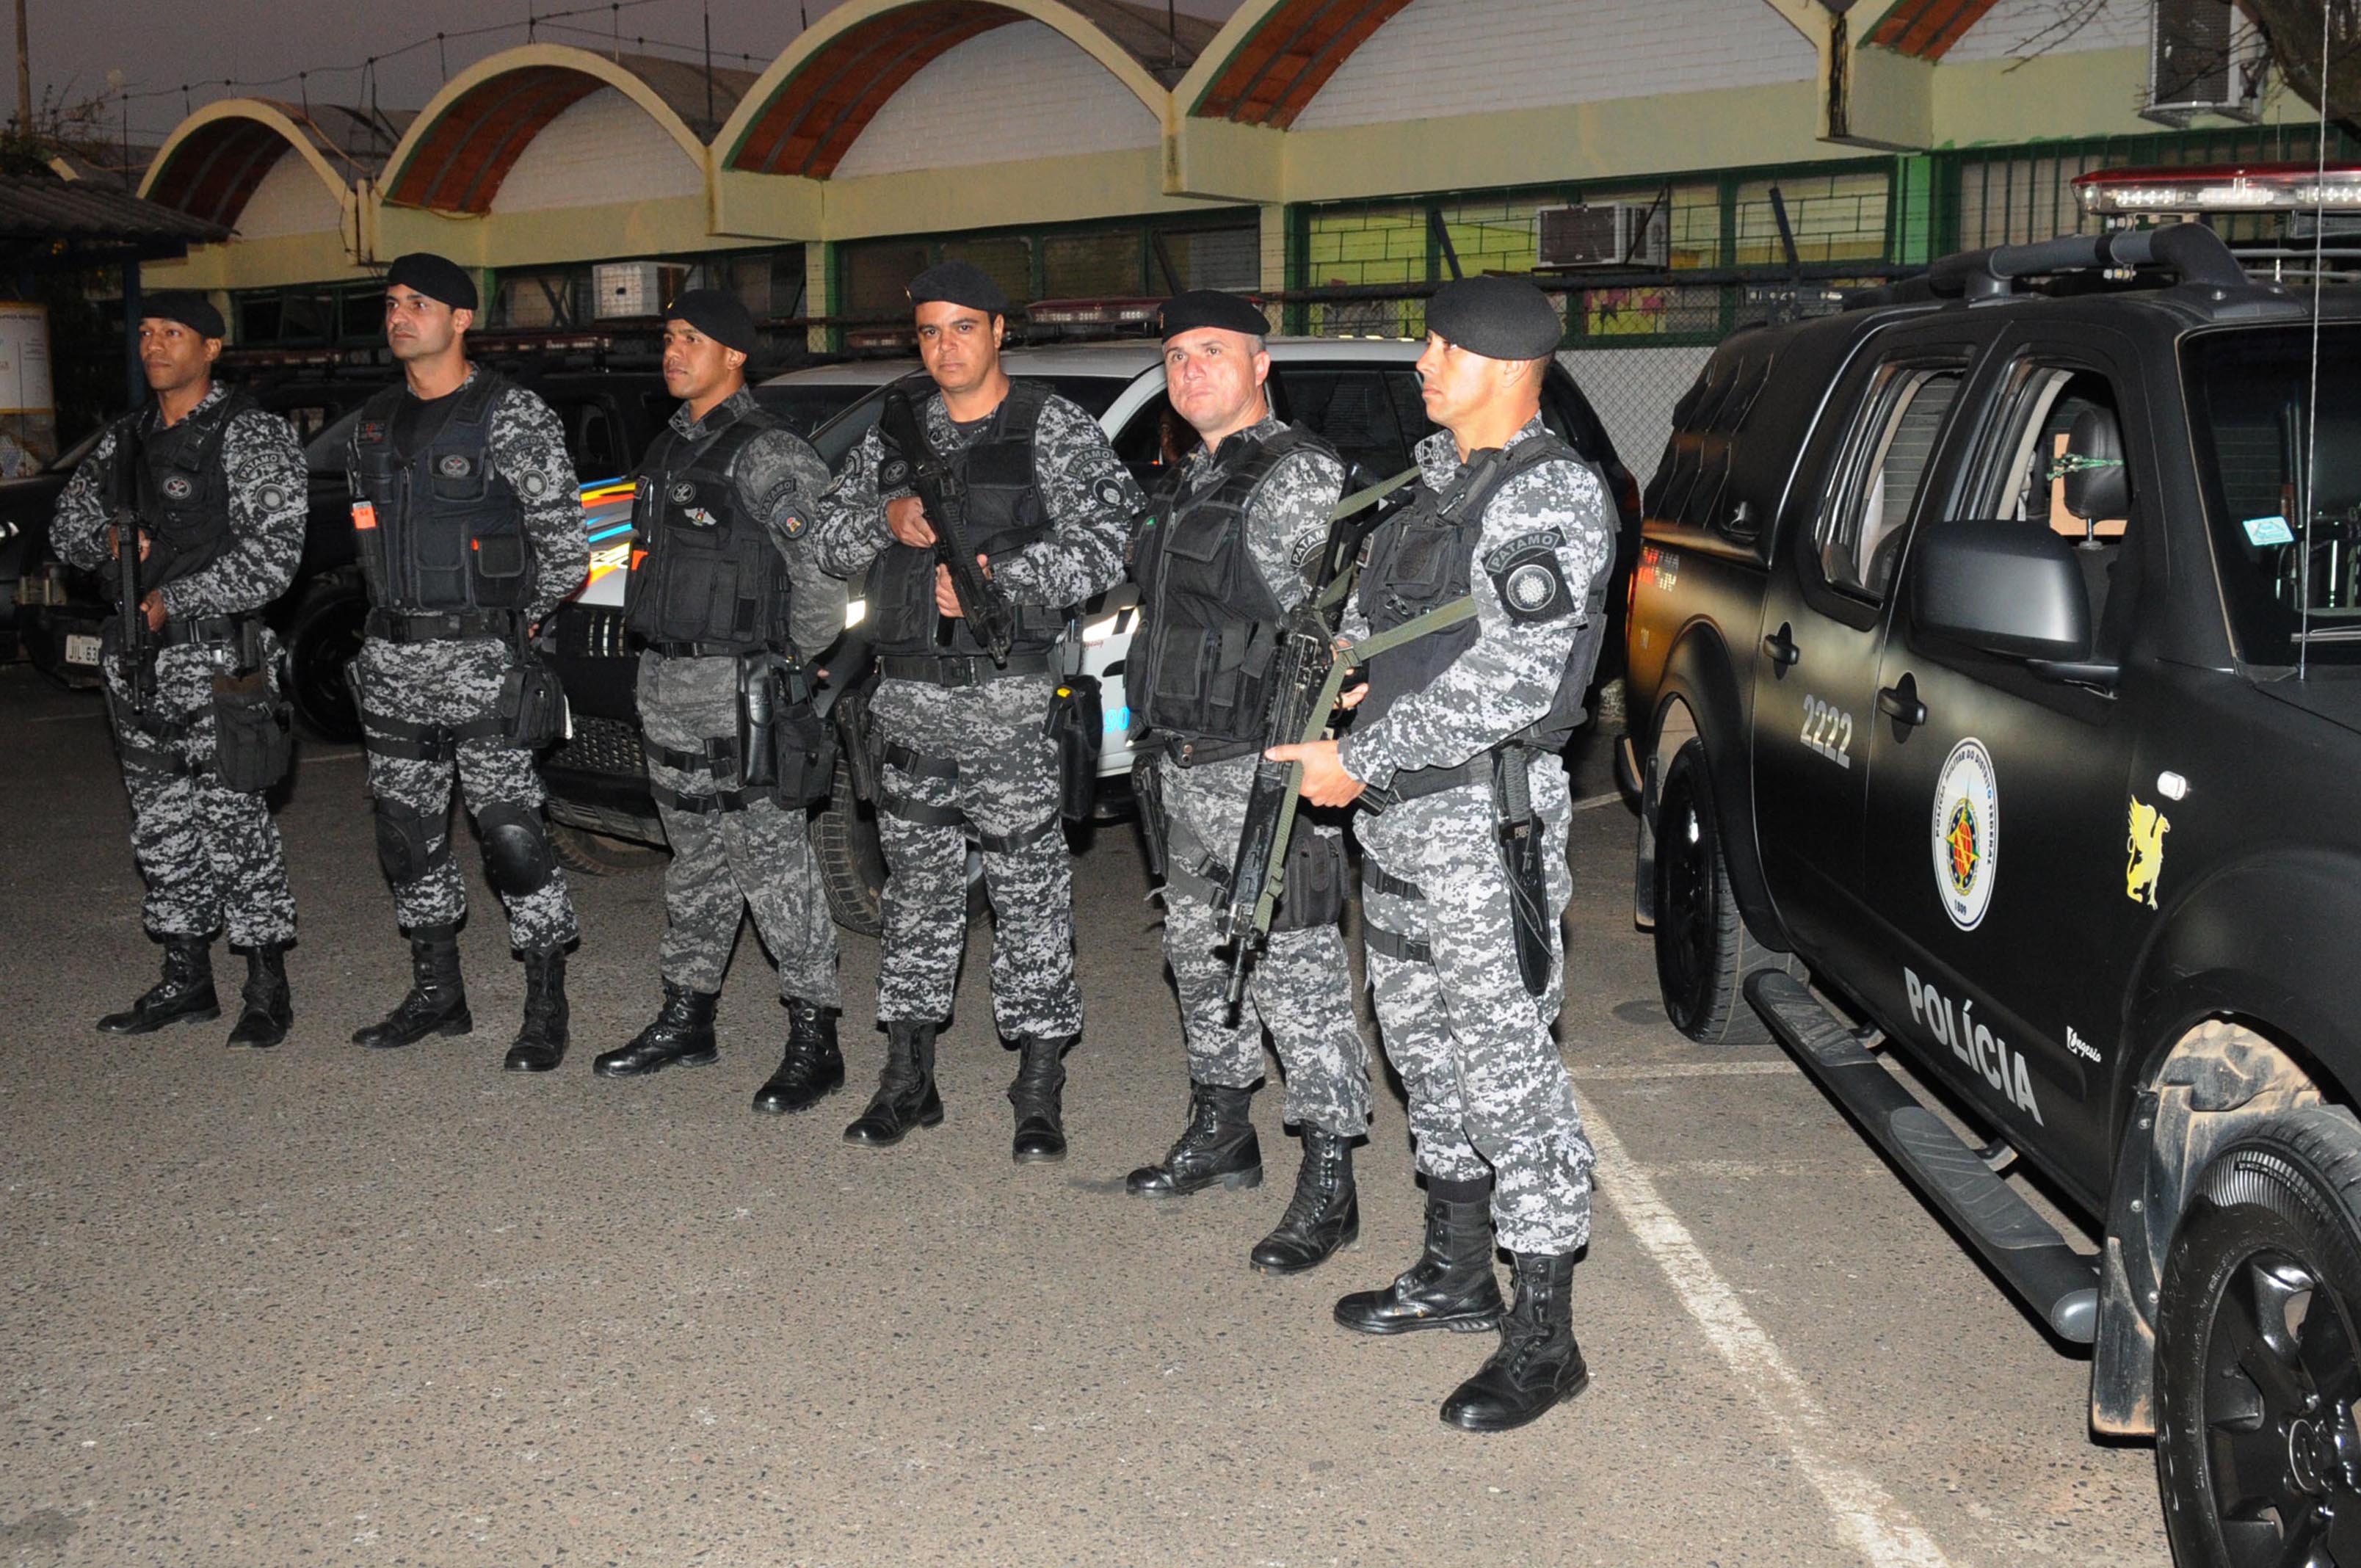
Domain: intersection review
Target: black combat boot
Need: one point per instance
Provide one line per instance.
(1218, 1145)
(1038, 1093)
(1451, 1286)
(184, 995)
(813, 1066)
(1324, 1213)
(539, 1045)
(437, 1002)
(268, 1011)
(906, 1096)
(1538, 1362)
(683, 1033)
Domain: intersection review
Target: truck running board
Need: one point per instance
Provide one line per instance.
(2060, 1285)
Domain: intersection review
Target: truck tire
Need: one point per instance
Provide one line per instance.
(2258, 1323)
(324, 634)
(597, 854)
(1704, 952)
(852, 864)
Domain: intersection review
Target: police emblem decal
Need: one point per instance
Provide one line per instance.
(682, 492)
(178, 487)
(534, 485)
(1531, 588)
(1966, 833)
(454, 465)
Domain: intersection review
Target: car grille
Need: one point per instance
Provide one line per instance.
(602, 746)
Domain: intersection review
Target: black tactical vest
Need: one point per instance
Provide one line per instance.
(1425, 557)
(171, 475)
(442, 530)
(702, 570)
(1004, 514)
(1209, 623)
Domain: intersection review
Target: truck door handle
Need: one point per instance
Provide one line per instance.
(1781, 646)
(1900, 703)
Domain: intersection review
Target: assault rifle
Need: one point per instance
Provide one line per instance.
(991, 618)
(135, 646)
(1306, 677)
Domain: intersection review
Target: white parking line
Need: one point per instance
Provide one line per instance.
(1780, 1068)
(1868, 1518)
(1611, 798)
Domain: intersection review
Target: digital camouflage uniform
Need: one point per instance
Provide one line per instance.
(211, 856)
(456, 681)
(1299, 985)
(1489, 1093)
(995, 734)
(758, 855)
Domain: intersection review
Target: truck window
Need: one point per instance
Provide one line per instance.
(1860, 533)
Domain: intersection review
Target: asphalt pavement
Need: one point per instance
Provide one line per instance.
(326, 1305)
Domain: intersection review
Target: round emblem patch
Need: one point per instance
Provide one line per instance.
(534, 485)
(271, 498)
(1109, 492)
(1966, 833)
(1531, 588)
(178, 487)
(682, 492)
(453, 465)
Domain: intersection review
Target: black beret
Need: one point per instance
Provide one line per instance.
(1212, 307)
(437, 277)
(720, 316)
(187, 307)
(959, 283)
(1499, 318)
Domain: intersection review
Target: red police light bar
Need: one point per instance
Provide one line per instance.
(2247, 188)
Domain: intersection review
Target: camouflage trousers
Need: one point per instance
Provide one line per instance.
(1004, 789)
(1299, 987)
(1489, 1093)
(725, 860)
(210, 856)
(452, 683)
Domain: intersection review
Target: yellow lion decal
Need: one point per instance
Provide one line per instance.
(2149, 826)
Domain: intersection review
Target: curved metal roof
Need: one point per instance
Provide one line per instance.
(472, 133)
(214, 161)
(824, 91)
(1281, 59)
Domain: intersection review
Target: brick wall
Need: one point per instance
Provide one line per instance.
(603, 149)
(292, 199)
(1018, 92)
(1465, 57)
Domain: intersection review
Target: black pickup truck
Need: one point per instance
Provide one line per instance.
(1994, 678)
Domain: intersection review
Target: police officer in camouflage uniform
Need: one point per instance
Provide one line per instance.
(1219, 569)
(966, 752)
(720, 587)
(217, 486)
(469, 531)
(1509, 516)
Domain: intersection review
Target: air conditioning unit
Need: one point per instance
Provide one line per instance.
(1607, 233)
(2203, 58)
(621, 289)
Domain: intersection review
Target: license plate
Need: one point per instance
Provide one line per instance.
(80, 649)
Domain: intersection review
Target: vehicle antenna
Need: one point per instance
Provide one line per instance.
(2311, 404)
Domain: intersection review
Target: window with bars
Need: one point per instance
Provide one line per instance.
(1148, 258)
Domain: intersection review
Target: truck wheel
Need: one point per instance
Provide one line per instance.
(323, 636)
(2256, 1454)
(852, 864)
(1703, 950)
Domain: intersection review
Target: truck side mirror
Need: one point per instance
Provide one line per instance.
(2006, 588)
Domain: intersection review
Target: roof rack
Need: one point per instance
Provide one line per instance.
(2193, 253)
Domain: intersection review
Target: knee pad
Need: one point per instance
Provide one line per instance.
(516, 847)
(406, 847)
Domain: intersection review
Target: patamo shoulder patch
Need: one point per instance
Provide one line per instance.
(1530, 579)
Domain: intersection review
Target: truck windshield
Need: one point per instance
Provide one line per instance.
(2254, 418)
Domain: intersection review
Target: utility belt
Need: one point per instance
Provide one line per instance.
(218, 630)
(784, 750)
(1313, 895)
(963, 669)
(254, 737)
(442, 625)
(1187, 751)
(919, 765)
(699, 650)
(716, 759)
(1417, 784)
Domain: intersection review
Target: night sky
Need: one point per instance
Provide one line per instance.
(159, 46)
